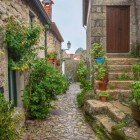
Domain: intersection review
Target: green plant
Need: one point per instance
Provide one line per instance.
(52, 55)
(135, 50)
(83, 96)
(45, 83)
(136, 71)
(123, 77)
(82, 73)
(136, 92)
(97, 50)
(104, 93)
(20, 42)
(9, 123)
(102, 72)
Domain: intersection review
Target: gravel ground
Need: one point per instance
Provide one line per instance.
(66, 121)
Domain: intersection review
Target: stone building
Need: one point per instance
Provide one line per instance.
(54, 38)
(113, 23)
(29, 12)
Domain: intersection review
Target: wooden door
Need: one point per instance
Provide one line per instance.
(118, 29)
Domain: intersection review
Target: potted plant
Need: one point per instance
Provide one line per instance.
(103, 95)
(52, 57)
(98, 53)
(102, 76)
(135, 104)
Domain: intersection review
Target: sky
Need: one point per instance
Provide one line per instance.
(68, 16)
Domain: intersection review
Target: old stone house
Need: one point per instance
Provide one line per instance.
(12, 83)
(54, 38)
(114, 23)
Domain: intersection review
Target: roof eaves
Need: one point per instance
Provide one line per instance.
(42, 13)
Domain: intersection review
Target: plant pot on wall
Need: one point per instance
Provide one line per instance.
(100, 60)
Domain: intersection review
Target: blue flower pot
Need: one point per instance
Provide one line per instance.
(100, 60)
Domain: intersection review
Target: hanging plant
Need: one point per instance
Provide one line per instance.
(20, 42)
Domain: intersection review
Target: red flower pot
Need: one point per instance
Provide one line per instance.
(102, 85)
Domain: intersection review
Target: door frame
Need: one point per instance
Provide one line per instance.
(129, 29)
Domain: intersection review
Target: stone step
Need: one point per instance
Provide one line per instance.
(120, 68)
(115, 84)
(114, 113)
(121, 95)
(112, 55)
(120, 76)
(105, 122)
(122, 61)
(96, 107)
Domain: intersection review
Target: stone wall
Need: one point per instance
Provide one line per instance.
(98, 20)
(20, 10)
(53, 44)
(71, 69)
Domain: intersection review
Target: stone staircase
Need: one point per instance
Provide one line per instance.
(107, 115)
(118, 87)
(111, 114)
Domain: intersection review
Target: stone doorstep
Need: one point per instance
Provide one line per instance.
(115, 84)
(120, 68)
(112, 55)
(105, 122)
(96, 107)
(122, 61)
(115, 75)
(118, 94)
(132, 132)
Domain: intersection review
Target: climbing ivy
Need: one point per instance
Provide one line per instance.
(20, 41)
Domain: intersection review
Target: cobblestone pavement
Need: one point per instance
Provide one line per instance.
(66, 121)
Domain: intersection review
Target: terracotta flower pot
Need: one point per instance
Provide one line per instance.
(50, 60)
(135, 112)
(103, 98)
(102, 85)
(106, 80)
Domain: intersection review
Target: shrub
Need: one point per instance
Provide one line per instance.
(20, 42)
(97, 50)
(136, 92)
(8, 122)
(83, 96)
(136, 71)
(82, 72)
(45, 83)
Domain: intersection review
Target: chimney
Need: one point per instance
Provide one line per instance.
(48, 7)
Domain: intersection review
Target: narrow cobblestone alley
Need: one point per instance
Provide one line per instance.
(66, 121)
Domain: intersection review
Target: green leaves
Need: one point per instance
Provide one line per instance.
(20, 41)
(45, 83)
(97, 50)
(82, 72)
(8, 123)
(136, 92)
